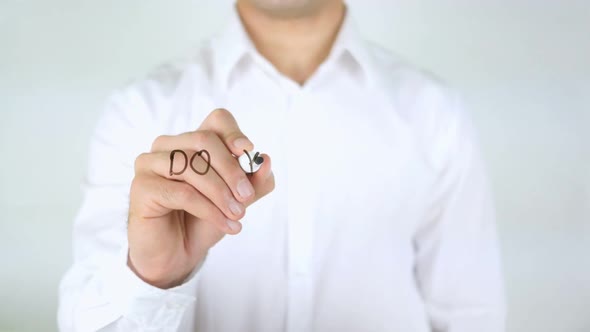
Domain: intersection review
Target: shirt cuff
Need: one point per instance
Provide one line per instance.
(145, 306)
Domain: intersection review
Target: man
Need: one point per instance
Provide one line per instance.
(379, 217)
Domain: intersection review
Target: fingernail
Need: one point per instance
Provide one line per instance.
(245, 188)
(235, 207)
(242, 143)
(233, 225)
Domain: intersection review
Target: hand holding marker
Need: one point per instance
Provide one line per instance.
(175, 215)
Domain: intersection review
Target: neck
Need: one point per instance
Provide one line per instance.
(296, 46)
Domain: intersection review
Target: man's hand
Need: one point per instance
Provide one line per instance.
(175, 219)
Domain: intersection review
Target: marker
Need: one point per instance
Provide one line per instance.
(250, 161)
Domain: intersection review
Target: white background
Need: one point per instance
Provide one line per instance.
(523, 67)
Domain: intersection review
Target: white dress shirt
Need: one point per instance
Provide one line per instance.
(381, 219)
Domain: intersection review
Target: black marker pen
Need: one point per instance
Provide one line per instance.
(250, 161)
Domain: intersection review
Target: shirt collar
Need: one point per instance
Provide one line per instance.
(230, 46)
(233, 44)
(349, 41)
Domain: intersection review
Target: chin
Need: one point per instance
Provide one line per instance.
(288, 8)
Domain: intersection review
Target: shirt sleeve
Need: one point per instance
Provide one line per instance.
(458, 265)
(99, 292)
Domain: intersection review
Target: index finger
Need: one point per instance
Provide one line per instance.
(222, 122)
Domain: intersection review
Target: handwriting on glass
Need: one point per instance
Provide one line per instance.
(187, 162)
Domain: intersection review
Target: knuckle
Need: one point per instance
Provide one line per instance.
(203, 137)
(158, 142)
(140, 161)
(219, 114)
(137, 184)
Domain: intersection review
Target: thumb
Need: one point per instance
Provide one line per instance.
(223, 123)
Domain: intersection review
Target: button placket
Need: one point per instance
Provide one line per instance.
(300, 223)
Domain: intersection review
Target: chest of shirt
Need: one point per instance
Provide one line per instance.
(339, 151)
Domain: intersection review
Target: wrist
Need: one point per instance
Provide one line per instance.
(162, 277)
(166, 277)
